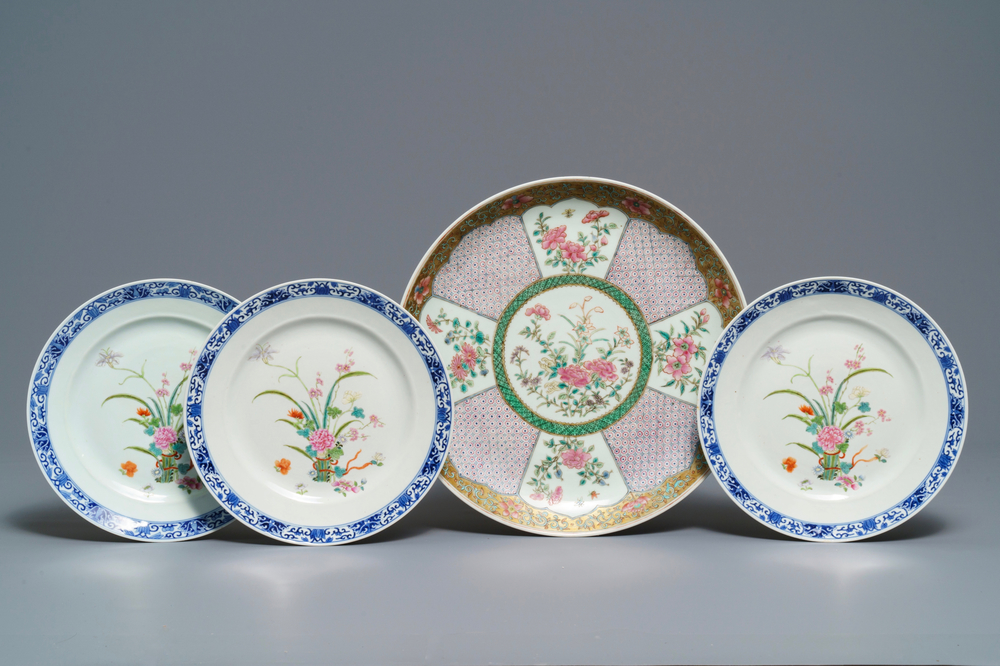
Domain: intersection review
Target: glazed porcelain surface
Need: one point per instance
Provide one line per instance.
(105, 409)
(833, 409)
(574, 317)
(319, 412)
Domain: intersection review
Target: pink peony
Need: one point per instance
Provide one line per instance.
(847, 481)
(321, 440)
(573, 251)
(677, 366)
(537, 496)
(164, 437)
(574, 375)
(458, 367)
(346, 485)
(193, 484)
(553, 238)
(603, 369)
(575, 458)
(556, 496)
(829, 437)
(594, 216)
(539, 310)
(635, 205)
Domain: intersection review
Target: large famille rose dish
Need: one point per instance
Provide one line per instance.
(574, 317)
(833, 409)
(105, 409)
(319, 412)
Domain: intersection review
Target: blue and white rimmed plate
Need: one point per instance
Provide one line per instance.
(105, 409)
(319, 412)
(832, 409)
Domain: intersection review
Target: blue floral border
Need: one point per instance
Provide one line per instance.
(301, 534)
(38, 391)
(949, 450)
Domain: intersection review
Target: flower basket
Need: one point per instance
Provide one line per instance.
(324, 469)
(831, 466)
(168, 467)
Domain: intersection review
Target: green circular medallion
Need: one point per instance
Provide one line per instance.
(572, 354)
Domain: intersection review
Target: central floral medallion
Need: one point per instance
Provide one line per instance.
(572, 354)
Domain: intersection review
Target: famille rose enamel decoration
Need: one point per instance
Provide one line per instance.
(106, 409)
(833, 409)
(319, 412)
(574, 317)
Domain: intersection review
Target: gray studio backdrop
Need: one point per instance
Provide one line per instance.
(245, 144)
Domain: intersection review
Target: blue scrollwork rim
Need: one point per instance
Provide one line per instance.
(332, 534)
(943, 464)
(130, 527)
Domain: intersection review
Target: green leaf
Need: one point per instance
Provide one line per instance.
(789, 391)
(839, 407)
(142, 423)
(848, 424)
(294, 425)
(140, 450)
(356, 373)
(864, 408)
(176, 409)
(801, 445)
(799, 417)
(282, 394)
(334, 412)
(304, 410)
(127, 396)
(295, 448)
(862, 371)
(341, 428)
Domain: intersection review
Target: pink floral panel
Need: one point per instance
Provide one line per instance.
(657, 439)
(657, 270)
(489, 267)
(491, 444)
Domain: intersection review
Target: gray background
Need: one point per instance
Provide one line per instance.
(246, 144)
